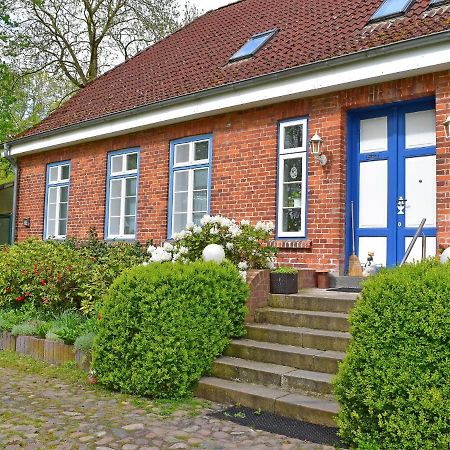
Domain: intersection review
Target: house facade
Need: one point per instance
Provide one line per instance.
(139, 158)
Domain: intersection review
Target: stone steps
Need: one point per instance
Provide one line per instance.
(272, 375)
(286, 355)
(299, 336)
(288, 359)
(309, 300)
(322, 320)
(296, 406)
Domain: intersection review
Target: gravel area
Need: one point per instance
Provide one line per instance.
(39, 413)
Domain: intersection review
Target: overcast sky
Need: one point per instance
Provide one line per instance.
(207, 5)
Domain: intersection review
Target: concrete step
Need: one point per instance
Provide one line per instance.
(296, 406)
(299, 336)
(345, 282)
(272, 375)
(286, 355)
(323, 320)
(315, 300)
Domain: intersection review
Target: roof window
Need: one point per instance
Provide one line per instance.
(391, 8)
(251, 47)
(437, 2)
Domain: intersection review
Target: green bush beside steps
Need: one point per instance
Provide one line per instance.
(394, 384)
(162, 326)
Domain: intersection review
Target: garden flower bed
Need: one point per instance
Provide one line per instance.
(45, 350)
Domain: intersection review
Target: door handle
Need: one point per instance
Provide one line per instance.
(401, 203)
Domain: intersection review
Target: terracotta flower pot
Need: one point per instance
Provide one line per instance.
(323, 280)
(92, 379)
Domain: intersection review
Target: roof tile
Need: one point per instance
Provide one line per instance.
(196, 57)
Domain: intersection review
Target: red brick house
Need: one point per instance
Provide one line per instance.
(218, 118)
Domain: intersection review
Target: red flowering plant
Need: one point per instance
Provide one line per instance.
(46, 274)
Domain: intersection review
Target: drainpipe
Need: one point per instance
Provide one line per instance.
(12, 160)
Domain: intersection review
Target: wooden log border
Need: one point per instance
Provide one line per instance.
(44, 350)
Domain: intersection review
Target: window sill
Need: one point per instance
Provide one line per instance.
(291, 243)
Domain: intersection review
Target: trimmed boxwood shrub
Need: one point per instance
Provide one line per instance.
(394, 384)
(162, 326)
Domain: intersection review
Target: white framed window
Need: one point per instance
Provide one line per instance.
(189, 182)
(57, 200)
(292, 174)
(122, 190)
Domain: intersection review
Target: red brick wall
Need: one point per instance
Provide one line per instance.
(244, 170)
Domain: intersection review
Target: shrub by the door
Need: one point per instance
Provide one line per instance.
(394, 385)
(163, 324)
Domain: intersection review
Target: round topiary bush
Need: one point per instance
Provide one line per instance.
(162, 326)
(394, 384)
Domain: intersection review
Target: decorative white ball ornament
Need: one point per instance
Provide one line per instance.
(214, 252)
(445, 255)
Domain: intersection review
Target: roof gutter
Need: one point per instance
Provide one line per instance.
(408, 44)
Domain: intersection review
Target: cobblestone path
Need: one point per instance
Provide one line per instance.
(39, 413)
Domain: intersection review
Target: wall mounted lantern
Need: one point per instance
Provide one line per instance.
(27, 222)
(316, 149)
(447, 127)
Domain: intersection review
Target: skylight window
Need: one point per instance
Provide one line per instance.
(391, 8)
(437, 2)
(252, 46)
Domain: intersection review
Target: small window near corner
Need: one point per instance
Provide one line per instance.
(390, 9)
(251, 47)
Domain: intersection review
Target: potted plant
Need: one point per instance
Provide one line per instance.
(295, 199)
(284, 280)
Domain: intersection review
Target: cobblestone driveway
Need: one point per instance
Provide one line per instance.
(39, 413)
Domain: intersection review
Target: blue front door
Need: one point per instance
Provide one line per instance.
(392, 159)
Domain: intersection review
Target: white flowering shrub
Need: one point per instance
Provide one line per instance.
(245, 245)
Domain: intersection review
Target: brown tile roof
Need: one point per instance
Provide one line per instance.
(196, 57)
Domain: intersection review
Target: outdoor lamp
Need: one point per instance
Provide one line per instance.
(214, 252)
(447, 127)
(316, 149)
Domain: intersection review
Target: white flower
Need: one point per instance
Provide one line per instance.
(229, 246)
(243, 266)
(160, 255)
(235, 231)
(243, 274)
(214, 230)
(179, 236)
(183, 250)
(189, 226)
(196, 229)
(245, 222)
(151, 249)
(268, 227)
(168, 247)
(225, 222)
(205, 220)
(145, 263)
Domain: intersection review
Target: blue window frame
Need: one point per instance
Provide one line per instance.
(122, 194)
(391, 8)
(57, 200)
(251, 47)
(292, 178)
(190, 182)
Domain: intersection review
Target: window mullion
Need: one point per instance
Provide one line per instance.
(58, 205)
(190, 215)
(122, 207)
